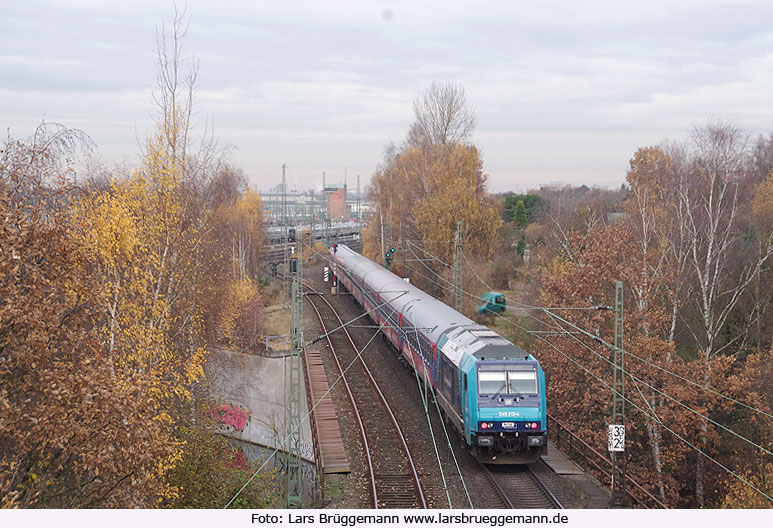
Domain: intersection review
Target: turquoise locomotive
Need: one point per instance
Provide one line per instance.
(492, 391)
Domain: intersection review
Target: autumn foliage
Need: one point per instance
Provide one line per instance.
(694, 256)
(424, 188)
(113, 288)
(111, 296)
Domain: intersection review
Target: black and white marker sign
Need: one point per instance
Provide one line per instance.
(616, 438)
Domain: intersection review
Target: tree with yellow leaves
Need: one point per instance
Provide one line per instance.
(143, 247)
(422, 190)
(71, 434)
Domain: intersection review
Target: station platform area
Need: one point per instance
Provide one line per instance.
(596, 496)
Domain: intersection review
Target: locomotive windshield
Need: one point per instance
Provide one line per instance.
(507, 382)
(522, 382)
(492, 382)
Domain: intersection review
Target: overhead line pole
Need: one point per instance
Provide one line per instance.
(285, 230)
(458, 268)
(294, 497)
(618, 401)
(388, 241)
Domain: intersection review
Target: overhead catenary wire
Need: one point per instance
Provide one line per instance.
(432, 433)
(655, 417)
(548, 311)
(628, 373)
(635, 378)
(652, 364)
(652, 416)
(452, 288)
(443, 425)
(521, 306)
(306, 416)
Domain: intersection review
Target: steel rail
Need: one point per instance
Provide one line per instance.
(385, 404)
(531, 475)
(501, 492)
(545, 488)
(360, 425)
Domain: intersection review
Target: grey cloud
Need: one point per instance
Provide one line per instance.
(562, 90)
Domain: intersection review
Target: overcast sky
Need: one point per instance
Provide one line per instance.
(564, 91)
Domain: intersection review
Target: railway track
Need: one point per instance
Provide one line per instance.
(519, 487)
(276, 253)
(394, 480)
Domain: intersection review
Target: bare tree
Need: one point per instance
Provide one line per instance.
(712, 224)
(711, 207)
(174, 97)
(442, 116)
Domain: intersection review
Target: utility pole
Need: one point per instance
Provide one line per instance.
(285, 230)
(617, 428)
(358, 216)
(458, 268)
(383, 247)
(294, 497)
(388, 235)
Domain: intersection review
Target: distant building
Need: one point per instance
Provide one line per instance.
(554, 186)
(335, 195)
(333, 202)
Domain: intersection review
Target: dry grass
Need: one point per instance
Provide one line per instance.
(277, 319)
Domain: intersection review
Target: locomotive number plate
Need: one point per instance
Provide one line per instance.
(508, 425)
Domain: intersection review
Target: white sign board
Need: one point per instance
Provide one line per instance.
(326, 273)
(616, 438)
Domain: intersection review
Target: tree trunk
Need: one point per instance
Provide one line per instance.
(655, 435)
(700, 463)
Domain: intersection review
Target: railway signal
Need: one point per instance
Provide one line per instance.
(389, 257)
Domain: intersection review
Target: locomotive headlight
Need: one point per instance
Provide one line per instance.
(484, 425)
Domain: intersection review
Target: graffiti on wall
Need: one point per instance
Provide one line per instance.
(235, 458)
(229, 415)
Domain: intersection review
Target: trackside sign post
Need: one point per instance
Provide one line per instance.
(616, 438)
